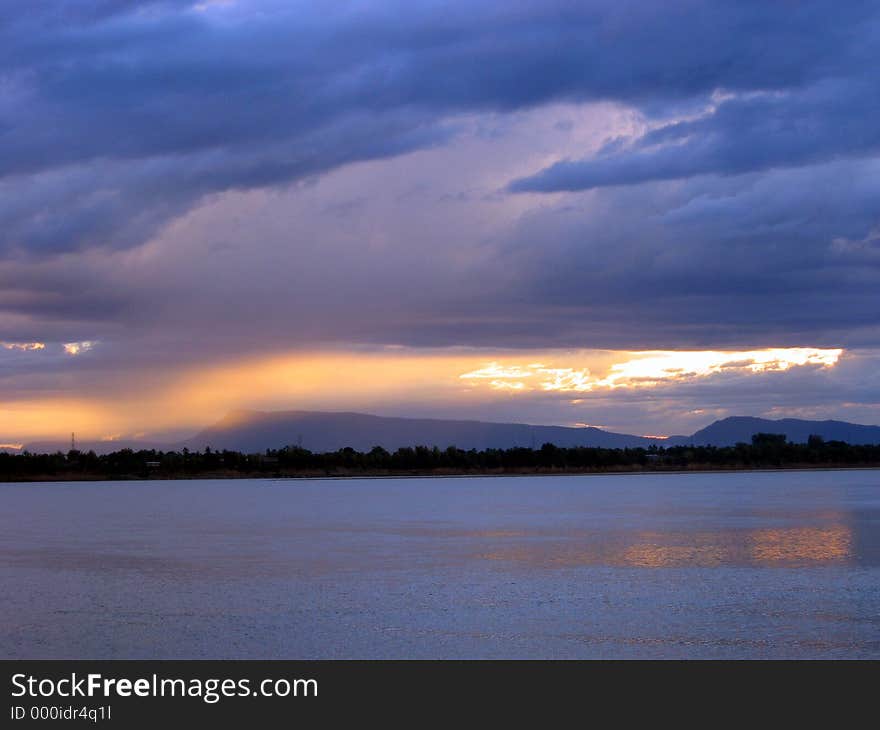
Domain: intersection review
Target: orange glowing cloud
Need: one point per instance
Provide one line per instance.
(23, 346)
(76, 348)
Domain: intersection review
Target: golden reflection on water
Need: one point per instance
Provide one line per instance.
(648, 555)
(769, 547)
(802, 544)
(496, 533)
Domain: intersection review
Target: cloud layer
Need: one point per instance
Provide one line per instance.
(184, 184)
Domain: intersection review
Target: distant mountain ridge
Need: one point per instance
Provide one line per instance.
(736, 429)
(328, 431)
(318, 431)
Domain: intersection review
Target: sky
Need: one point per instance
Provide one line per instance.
(636, 215)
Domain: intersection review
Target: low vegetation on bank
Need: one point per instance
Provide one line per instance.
(765, 451)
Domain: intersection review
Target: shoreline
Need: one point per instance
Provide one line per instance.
(277, 477)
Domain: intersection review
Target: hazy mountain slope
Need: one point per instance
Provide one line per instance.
(319, 431)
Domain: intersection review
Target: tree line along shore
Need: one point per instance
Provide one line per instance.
(766, 451)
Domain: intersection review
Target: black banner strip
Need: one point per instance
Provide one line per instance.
(151, 693)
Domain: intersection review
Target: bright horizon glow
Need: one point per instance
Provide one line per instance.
(55, 418)
(394, 381)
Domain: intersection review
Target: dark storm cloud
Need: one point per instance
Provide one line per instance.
(117, 116)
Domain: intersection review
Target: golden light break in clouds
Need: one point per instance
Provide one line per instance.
(648, 369)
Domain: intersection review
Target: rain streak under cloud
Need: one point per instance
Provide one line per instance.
(530, 211)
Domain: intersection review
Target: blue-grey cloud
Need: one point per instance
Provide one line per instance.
(831, 120)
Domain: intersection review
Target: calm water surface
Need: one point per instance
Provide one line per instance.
(699, 565)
